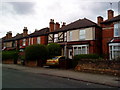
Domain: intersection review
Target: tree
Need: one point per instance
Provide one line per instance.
(54, 49)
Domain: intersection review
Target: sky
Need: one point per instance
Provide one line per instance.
(36, 14)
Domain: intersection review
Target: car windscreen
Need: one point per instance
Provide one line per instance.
(55, 57)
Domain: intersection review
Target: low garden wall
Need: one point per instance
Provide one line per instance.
(97, 66)
(8, 61)
(31, 63)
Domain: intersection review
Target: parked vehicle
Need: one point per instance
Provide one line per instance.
(54, 61)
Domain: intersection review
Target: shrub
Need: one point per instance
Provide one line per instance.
(54, 49)
(10, 55)
(36, 52)
(86, 56)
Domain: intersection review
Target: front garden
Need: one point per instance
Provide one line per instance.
(36, 55)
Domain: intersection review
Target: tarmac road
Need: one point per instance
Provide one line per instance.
(13, 78)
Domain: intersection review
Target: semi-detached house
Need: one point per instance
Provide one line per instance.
(20, 41)
(80, 37)
(110, 35)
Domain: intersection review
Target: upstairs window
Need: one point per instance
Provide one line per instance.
(117, 29)
(38, 40)
(65, 36)
(29, 40)
(70, 34)
(82, 34)
(55, 37)
(24, 42)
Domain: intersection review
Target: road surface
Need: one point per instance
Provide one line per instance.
(12, 78)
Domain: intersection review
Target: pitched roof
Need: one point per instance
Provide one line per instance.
(81, 23)
(17, 37)
(41, 32)
(35, 34)
(114, 19)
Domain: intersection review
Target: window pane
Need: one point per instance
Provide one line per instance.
(117, 29)
(70, 36)
(82, 34)
(38, 40)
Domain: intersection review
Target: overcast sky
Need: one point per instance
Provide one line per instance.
(36, 14)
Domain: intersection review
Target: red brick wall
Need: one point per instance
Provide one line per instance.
(98, 42)
(21, 42)
(96, 45)
(107, 35)
(44, 40)
(27, 41)
(34, 40)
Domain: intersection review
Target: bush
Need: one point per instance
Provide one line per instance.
(10, 55)
(86, 56)
(54, 49)
(36, 52)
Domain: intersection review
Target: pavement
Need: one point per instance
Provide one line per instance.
(108, 80)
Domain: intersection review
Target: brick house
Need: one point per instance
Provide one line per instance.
(20, 41)
(80, 37)
(38, 37)
(13, 43)
(110, 35)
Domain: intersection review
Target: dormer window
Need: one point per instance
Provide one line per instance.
(117, 29)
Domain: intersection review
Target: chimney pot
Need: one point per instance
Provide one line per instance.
(99, 20)
(25, 31)
(9, 35)
(52, 25)
(57, 25)
(63, 24)
(110, 14)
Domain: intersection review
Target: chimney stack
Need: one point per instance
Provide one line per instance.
(110, 14)
(57, 25)
(25, 31)
(52, 25)
(9, 35)
(99, 20)
(63, 24)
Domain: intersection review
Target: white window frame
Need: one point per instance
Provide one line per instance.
(80, 46)
(111, 52)
(24, 42)
(65, 36)
(38, 40)
(29, 40)
(82, 34)
(55, 37)
(70, 35)
(117, 29)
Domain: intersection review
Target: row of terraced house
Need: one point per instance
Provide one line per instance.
(80, 37)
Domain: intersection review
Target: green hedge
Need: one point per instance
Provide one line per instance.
(54, 49)
(86, 56)
(10, 55)
(36, 52)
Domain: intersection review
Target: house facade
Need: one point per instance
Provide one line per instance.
(20, 41)
(110, 35)
(80, 37)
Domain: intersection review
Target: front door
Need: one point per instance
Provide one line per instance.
(70, 53)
